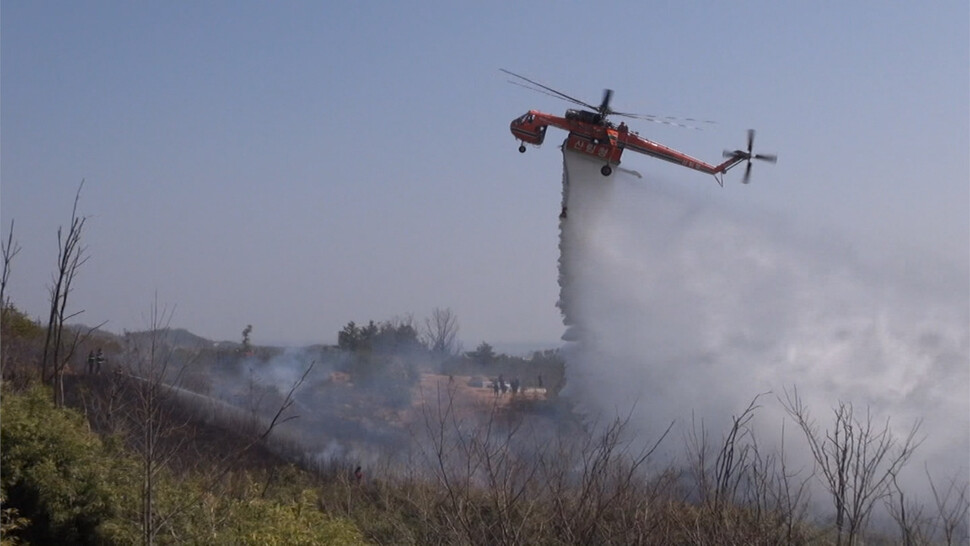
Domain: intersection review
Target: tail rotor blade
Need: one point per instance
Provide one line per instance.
(741, 155)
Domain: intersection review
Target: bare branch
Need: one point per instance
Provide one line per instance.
(952, 509)
(71, 256)
(441, 332)
(9, 248)
(856, 459)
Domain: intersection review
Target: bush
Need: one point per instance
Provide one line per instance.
(22, 338)
(260, 521)
(55, 472)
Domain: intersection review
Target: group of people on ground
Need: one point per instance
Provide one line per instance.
(95, 361)
(500, 386)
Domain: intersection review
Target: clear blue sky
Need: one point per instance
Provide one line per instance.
(297, 165)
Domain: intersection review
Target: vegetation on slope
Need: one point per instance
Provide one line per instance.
(62, 484)
(502, 470)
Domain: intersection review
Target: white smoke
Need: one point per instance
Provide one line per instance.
(675, 308)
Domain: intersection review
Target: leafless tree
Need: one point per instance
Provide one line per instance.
(908, 515)
(448, 454)
(856, 460)
(953, 510)
(742, 489)
(71, 256)
(485, 468)
(441, 332)
(509, 476)
(780, 492)
(599, 488)
(502, 481)
(10, 248)
(150, 367)
(719, 480)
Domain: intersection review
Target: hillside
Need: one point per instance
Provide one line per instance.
(386, 443)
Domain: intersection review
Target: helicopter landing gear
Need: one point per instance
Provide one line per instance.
(521, 148)
(606, 170)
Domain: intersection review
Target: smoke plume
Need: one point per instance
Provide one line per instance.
(678, 310)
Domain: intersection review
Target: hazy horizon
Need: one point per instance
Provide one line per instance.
(520, 348)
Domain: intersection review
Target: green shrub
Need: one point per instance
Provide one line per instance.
(55, 471)
(256, 520)
(16, 324)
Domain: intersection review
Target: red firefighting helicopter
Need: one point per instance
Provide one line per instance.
(591, 133)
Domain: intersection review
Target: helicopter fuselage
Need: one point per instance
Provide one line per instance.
(591, 134)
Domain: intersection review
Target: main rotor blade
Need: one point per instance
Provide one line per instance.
(673, 120)
(604, 108)
(551, 90)
(537, 90)
(665, 120)
(656, 119)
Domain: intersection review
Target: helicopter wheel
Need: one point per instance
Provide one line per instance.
(521, 148)
(606, 170)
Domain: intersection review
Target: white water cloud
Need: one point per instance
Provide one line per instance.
(679, 308)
